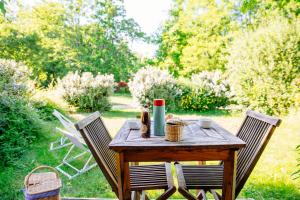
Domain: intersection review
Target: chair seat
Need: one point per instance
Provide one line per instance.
(149, 177)
(201, 177)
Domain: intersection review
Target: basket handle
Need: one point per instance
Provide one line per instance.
(38, 168)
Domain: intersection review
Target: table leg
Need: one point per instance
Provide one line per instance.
(123, 178)
(229, 176)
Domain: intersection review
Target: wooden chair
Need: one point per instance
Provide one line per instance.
(256, 131)
(142, 178)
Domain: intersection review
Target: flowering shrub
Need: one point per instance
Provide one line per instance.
(19, 122)
(152, 83)
(87, 92)
(14, 78)
(205, 91)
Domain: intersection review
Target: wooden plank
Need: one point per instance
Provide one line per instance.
(82, 123)
(268, 119)
(228, 190)
(154, 155)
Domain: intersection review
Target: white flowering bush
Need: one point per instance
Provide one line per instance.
(152, 83)
(14, 78)
(87, 92)
(205, 91)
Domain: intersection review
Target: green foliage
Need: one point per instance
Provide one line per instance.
(151, 83)
(264, 66)
(253, 12)
(19, 123)
(87, 92)
(45, 107)
(196, 36)
(52, 39)
(2, 7)
(205, 91)
(19, 126)
(35, 37)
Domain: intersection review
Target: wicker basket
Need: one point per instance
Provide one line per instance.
(42, 186)
(173, 132)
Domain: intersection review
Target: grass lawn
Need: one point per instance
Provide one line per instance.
(271, 179)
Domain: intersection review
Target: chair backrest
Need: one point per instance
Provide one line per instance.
(97, 138)
(67, 123)
(256, 131)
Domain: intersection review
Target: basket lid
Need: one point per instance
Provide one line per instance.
(36, 183)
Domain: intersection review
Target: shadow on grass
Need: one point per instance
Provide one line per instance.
(273, 190)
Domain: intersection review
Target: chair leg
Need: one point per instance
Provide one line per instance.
(67, 159)
(181, 184)
(144, 196)
(58, 144)
(136, 195)
(68, 153)
(168, 192)
(202, 195)
(171, 188)
(216, 195)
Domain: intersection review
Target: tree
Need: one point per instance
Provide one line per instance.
(54, 38)
(264, 66)
(196, 36)
(36, 38)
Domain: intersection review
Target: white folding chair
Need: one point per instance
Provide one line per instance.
(69, 127)
(69, 157)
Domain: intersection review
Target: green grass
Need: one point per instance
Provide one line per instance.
(271, 178)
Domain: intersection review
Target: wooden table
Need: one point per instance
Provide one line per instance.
(198, 144)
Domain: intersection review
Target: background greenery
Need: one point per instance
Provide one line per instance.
(252, 44)
(53, 38)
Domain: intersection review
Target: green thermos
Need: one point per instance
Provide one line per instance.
(159, 117)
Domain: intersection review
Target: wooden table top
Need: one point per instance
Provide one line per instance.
(193, 137)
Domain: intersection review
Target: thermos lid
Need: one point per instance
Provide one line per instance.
(159, 102)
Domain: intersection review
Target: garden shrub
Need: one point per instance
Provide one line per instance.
(205, 91)
(19, 126)
(264, 65)
(151, 83)
(87, 92)
(15, 78)
(45, 107)
(19, 122)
